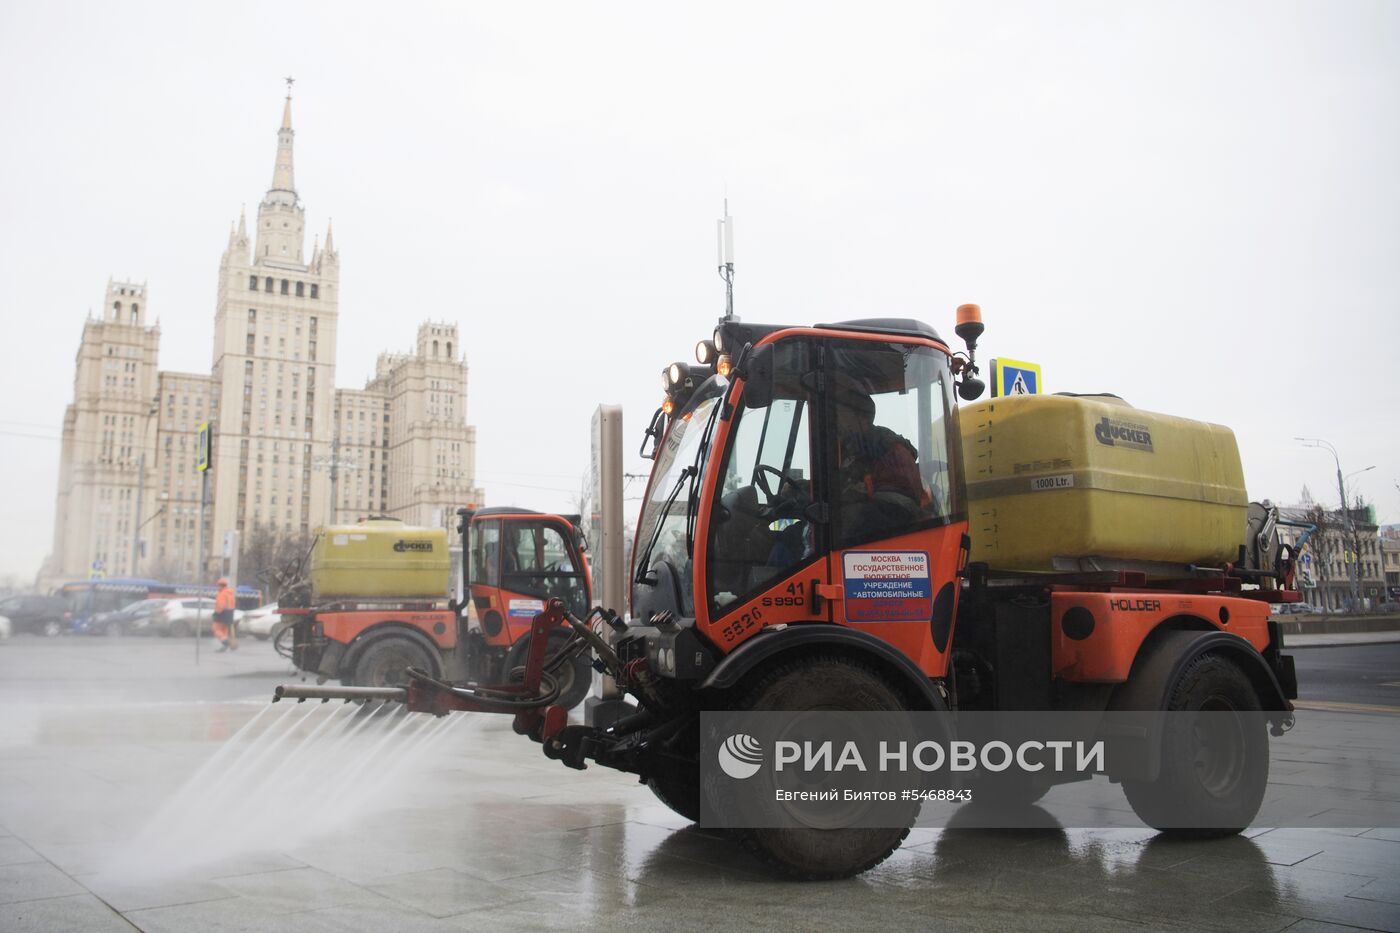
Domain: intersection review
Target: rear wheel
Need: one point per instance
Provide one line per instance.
(384, 661)
(1215, 764)
(823, 683)
(52, 627)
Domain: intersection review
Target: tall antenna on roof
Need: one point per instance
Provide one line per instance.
(724, 243)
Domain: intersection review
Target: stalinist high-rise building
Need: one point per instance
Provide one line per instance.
(291, 451)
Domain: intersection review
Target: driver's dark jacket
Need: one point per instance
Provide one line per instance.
(879, 460)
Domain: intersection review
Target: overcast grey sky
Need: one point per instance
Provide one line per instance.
(1193, 205)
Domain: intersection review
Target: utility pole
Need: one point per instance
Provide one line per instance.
(204, 461)
(140, 491)
(1353, 566)
(333, 465)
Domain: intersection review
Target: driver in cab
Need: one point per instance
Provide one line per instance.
(880, 488)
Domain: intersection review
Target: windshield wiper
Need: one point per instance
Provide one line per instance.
(692, 510)
(645, 560)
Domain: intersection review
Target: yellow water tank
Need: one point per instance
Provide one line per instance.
(1059, 482)
(380, 558)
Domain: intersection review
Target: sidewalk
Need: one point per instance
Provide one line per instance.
(1324, 640)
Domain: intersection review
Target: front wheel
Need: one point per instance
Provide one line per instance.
(824, 682)
(1215, 755)
(283, 636)
(385, 660)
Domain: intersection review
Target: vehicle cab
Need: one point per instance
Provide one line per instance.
(816, 483)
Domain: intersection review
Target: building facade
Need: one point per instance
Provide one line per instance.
(291, 451)
(1345, 547)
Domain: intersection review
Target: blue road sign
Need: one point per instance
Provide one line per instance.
(1014, 377)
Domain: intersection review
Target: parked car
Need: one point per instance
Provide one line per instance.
(4, 627)
(42, 615)
(262, 623)
(132, 619)
(1290, 609)
(178, 617)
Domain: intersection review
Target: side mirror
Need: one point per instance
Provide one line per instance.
(757, 373)
(970, 388)
(654, 432)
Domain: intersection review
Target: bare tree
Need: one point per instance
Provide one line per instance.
(1317, 515)
(273, 559)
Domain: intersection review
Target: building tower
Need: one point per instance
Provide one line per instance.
(107, 460)
(285, 439)
(274, 364)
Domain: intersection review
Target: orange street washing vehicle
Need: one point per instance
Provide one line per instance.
(826, 528)
(378, 599)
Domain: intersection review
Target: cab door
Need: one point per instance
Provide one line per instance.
(540, 561)
(897, 517)
(763, 560)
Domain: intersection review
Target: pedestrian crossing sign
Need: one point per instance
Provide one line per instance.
(1014, 377)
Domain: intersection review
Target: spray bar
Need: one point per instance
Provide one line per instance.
(304, 692)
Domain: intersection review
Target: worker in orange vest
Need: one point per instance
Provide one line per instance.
(224, 629)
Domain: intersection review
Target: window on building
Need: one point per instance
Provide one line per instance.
(252, 315)
(301, 289)
(267, 284)
(285, 286)
(252, 283)
(314, 290)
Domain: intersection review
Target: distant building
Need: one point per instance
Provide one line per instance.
(1345, 541)
(291, 450)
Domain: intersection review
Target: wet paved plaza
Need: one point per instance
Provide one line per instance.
(469, 827)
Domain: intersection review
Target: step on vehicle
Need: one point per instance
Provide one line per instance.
(1083, 556)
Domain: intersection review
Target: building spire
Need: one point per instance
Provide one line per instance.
(283, 187)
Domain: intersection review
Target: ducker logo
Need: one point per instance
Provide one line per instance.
(401, 546)
(740, 756)
(1113, 433)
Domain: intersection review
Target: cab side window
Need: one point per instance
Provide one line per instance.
(538, 562)
(888, 406)
(486, 547)
(761, 527)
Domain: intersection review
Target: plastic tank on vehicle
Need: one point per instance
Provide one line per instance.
(380, 558)
(1056, 482)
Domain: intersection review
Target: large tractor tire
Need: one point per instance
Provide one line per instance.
(1214, 767)
(576, 678)
(823, 682)
(383, 662)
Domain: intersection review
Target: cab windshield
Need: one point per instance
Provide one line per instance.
(662, 533)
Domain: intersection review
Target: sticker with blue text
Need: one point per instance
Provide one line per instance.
(887, 586)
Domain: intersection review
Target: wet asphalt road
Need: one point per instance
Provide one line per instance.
(1368, 674)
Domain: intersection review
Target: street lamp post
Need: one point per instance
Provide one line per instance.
(1356, 535)
(1354, 567)
(141, 488)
